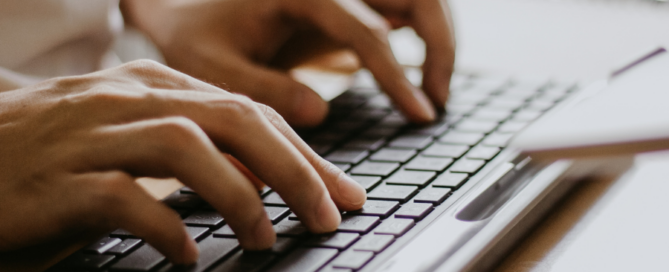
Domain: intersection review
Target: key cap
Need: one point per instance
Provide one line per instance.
(511, 127)
(432, 130)
(321, 148)
(457, 137)
(352, 259)
(428, 164)
(274, 199)
(224, 231)
(211, 250)
(275, 214)
(357, 223)
(380, 208)
(375, 243)
(473, 125)
(284, 244)
(289, 227)
(204, 219)
(406, 177)
(144, 258)
(305, 259)
(366, 144)
(393, 120)
(196, 232)
(122, 233)
(245, 261)
(393, 192)
(347, 156)
(414, 211)
(432, 195)
(330, 268)
(451, 180)
(376, 132)
(102, 245)
(497, 139)
(179, 200)
(482, 152)
(82, 261)
(339, 240)
(414, 141)
(124, 247)
(375, 168)
(395, 226)
(496, 115)
(467, 166)
(526, 115)
(343, 166)
(393, 155)
(445, 150)
(367, 182)
(504, 104)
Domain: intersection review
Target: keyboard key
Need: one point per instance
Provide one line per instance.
(393, 155)
(321, 148)
(380, 208)
(179, 200)
(342, 166)
(393, 120)
(357, 223)
(414, 211)
(415, 142)
(367, 182)
(511, 127)
(330, 268)
(496, 115)
(289, 227)
(375, 168)
(211, 250)
(526, 115)
(428, 164)
(204, 218)
(196, 232)
(432, 130)
(467, 166)
(124, 246)
(375, 243)
(81, 261)
(275, 214)
(283, 245)
(366, 144)
(393, 192)
(405, 177)
(445, 150)
(347, 156)
(451, 180)
(432, 195)
(102, 245)
(457, 137)
(380, 132)
(506, 104)
(395, 226)
(305, 259)
(274, 199)
(144, 258)
(497, 139)
(472, 125)
(122, 233)
(224, 231)
(352, 259)
(245, 261)
(339, 240)
(482, 152)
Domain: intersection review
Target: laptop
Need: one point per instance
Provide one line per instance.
(450, 196)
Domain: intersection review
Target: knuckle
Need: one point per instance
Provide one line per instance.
(145, 67)
(177, 135)
(240, 109)
(111, 190)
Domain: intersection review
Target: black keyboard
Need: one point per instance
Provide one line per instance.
(408, 171)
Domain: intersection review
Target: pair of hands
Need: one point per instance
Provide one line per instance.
(72, 147)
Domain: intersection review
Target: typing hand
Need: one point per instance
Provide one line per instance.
(230, 42)
(72, 148)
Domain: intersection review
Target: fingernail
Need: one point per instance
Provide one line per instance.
(190, 251)
(352, 191)
(309, 109)
(328, 215)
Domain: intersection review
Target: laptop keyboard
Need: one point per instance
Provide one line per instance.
(407, 171)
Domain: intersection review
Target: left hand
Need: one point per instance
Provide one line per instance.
(230, 42)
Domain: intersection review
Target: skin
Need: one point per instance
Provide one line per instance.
(231, 42)
(72, 148)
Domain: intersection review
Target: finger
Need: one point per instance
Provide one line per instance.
(238, 127)
(347, 194)
(247, 173)
(128, 206)
(355, 24)
(177, 147)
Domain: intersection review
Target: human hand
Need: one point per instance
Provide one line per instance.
(72, 148)
(230, 42)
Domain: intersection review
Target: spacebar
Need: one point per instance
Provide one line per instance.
(305, 259)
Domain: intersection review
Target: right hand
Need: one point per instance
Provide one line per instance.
(72, 148)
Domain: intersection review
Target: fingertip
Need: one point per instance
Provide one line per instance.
(190, 252)
(352, 192)
(328, 216)
(309, 109)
